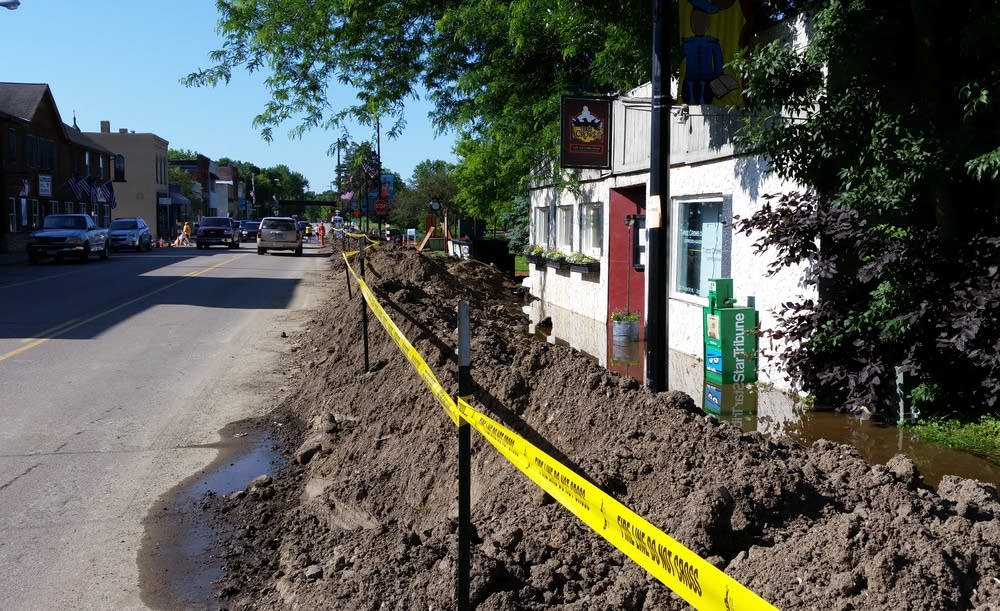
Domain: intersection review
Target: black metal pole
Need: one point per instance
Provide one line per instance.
(464, 464)
(378, 171)
(364, 309)
(347, 272)
(658, 210)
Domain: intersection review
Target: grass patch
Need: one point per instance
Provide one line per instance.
(520, 265)
(980, 438)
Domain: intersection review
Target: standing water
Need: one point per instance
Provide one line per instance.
(178, 562)
(756, 407)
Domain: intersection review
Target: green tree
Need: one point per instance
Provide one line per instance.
(188, 187)
(889, 117)
(431, 179)
(495, 70)
(181, 154)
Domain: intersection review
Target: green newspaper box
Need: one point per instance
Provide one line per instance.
(730, 342)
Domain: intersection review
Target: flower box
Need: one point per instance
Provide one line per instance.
(585, 268)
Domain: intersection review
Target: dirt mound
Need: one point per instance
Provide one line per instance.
(364, 515)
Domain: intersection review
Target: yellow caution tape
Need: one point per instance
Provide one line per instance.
(692, 578)
(407, 349)
(695, 580)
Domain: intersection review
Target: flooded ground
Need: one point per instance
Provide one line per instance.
(178, 562)
(758, 408)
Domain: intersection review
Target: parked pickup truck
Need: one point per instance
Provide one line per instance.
(68, 235)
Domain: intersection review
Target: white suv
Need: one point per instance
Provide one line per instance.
(278, 233)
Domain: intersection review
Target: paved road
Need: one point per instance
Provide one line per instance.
(112, 373)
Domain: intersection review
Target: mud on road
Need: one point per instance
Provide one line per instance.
(363, 514)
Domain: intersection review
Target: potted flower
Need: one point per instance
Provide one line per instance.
(533, 254)
(624, 326)
(579, 262)
(554, 257)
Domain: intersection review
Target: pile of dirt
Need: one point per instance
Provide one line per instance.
(364, 514)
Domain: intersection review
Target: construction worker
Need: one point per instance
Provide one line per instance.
(321, 232)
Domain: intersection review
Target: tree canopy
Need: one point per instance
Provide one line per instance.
(495, 71)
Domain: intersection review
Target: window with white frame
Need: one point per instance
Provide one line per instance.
(540, 222)
(564, 228)
(591, 228)
(700, 245)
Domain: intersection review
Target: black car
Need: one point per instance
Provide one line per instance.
(217, 230)
(248, 231)
(130, 232)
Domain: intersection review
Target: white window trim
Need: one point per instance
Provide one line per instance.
(540, 235)
(727, 240)
(559, 244)
(598, 251)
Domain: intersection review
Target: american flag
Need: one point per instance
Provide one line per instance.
(369, 167)
(88, 187)
(74, 185)
(108, 191)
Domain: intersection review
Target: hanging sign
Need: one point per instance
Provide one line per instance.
(585, 133)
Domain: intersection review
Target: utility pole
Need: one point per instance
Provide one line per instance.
(658, 209)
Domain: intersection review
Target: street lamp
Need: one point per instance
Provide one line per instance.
(10, 4)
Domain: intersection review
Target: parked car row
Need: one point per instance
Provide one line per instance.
(78, 236)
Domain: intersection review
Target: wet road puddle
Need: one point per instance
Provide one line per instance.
(178, 560)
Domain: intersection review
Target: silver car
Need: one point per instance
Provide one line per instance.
(278, 233)
(130, 232)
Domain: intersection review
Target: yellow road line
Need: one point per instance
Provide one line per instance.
(66, 327)
(51, 331)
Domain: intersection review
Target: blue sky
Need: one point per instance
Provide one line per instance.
(121, 61)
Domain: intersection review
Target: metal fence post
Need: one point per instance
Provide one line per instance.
(364, 313)
(464, 463)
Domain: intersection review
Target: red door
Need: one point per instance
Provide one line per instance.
(626, 289)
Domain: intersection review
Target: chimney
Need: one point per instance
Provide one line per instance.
(122, 130)
(105, 127)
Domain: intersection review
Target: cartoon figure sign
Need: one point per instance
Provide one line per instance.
(711, 36)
